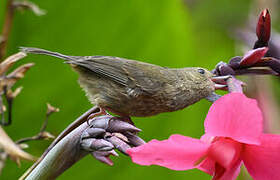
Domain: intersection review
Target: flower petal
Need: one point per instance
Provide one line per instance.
(235, 116)
(253, 56)
(264, 26)
(177, 153)
(232, 173)
(224, 151)
(209, 166)
(226, 157)
(263, 161)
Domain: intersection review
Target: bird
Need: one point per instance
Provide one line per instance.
(131, 88)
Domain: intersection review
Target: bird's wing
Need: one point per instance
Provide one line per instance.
(129, 73)
(104, 66)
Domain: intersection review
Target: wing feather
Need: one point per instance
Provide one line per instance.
(129, 73)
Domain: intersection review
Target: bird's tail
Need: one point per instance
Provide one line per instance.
(46, 52)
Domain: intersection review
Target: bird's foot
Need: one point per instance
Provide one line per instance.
(107, 133)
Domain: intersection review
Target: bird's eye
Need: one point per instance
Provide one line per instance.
(201, 71)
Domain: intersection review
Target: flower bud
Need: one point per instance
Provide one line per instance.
(264, 27)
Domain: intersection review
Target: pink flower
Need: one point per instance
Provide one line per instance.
(233, 135)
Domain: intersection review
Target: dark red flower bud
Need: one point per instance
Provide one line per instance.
(253, 56)
(264, 26)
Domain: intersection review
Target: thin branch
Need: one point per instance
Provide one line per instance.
(29, 5)
(3, 158)
(8, 21)
(9, 101)
(2, 110)
(42, 133)
(50, 111)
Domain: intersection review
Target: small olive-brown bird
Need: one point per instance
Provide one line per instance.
(132, 88)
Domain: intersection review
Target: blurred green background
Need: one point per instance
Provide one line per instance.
(171, 33)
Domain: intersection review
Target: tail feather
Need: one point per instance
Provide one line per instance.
(46, 52)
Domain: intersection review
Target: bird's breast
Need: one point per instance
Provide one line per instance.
(135, 101)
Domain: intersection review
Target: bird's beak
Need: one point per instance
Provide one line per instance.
(220, 82)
